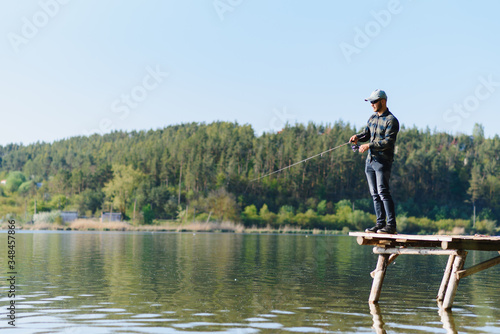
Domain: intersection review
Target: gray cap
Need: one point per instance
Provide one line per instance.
(377, 94)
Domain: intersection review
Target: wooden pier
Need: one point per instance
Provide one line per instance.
(390, 246)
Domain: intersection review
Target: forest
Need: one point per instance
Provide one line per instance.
(205, 172)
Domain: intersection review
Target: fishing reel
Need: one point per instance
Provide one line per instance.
(355, 148)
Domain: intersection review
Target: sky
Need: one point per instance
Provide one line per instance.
(72, 68)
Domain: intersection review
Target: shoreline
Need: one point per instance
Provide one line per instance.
(82, 225)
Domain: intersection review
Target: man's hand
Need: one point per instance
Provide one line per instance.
(364, 148)
(354, 139)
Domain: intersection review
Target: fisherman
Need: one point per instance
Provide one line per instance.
(381, 132)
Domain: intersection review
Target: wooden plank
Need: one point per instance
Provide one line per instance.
(476, 237)
(483, 243)
(471, 244)
(426, 237)
(394, 243)
(378, 278)
(402, 236)
(451, 290)
(392, 258)
(422, 251)
(389, 246)
(478, 267)
(360, 240)
(446, 278)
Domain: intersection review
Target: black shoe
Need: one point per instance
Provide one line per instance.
(373, 229)
(388, 230)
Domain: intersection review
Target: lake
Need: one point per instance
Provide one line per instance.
(114, 282)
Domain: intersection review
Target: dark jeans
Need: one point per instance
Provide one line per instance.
(378, 174)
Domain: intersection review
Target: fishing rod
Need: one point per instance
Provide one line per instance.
(354, 148)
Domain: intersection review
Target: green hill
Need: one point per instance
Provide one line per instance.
(208, 168)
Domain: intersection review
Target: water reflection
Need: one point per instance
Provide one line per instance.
(378, 322)
(448, 321)
(227, 283)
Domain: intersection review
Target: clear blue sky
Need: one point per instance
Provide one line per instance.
(76, 67)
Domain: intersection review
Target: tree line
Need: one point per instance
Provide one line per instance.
(206, 172)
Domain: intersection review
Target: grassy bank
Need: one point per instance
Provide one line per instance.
(94, 225)
(406, 225)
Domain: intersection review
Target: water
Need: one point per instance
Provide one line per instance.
(110, 282)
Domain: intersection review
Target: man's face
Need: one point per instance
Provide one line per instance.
(378, 105)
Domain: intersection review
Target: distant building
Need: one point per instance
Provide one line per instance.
(69, 216)
(111, 217)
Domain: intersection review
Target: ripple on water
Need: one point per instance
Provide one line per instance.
(44, 321)
(256, 319)
(24, 306)
(59, 310)
(282, 312)
(306, 330)
(307, 306)
(194, 324)
(146, 315)
(58, 298)
(40, 302)
(111, 310)
(89, 316)
(266, 325)
(166, 330)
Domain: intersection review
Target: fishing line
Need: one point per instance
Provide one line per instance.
(301, 161)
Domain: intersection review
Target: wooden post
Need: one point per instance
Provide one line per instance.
(378, 278)
(451, 290)
(479, 267)
(446, 278)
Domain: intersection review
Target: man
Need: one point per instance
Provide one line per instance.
(381, 130)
